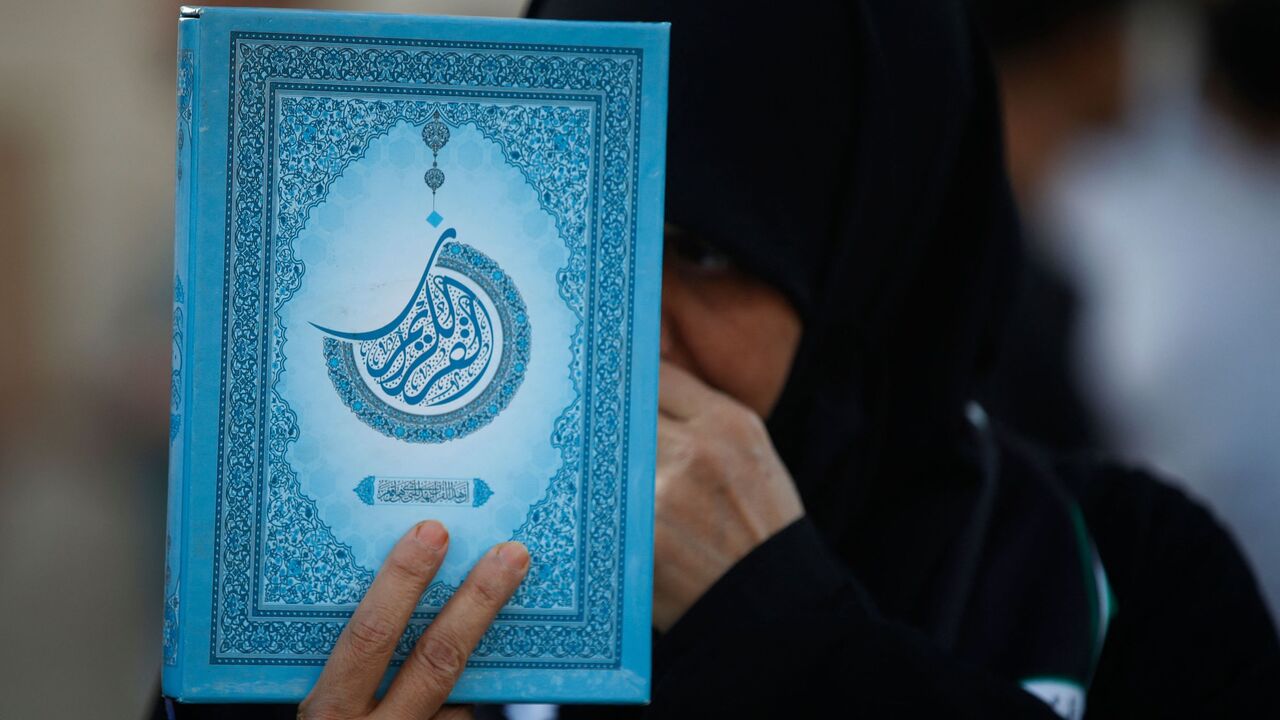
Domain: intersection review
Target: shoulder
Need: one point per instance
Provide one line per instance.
(1142, 524)
(1191, 631)
(1145, 526)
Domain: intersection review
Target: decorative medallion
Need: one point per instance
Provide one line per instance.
(453, 357)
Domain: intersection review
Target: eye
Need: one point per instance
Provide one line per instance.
(693, 250)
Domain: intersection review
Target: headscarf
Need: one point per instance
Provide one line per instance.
(850, 154)
(822, 148)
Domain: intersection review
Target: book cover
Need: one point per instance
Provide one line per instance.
(417, 276)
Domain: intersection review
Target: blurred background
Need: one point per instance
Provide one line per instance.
(1143, 143)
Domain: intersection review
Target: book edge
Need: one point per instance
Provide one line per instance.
(440, 21)
(173, 674)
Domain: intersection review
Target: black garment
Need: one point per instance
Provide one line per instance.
(850, 153)
(789, 627)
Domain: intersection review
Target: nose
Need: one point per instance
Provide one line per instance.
(676, 307)
(666, 337)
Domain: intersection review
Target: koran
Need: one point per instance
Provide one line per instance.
(417, 275)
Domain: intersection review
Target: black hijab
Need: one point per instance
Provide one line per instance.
(850, 153)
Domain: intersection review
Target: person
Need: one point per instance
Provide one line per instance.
(839, 531)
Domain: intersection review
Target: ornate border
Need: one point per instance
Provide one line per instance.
(262, 274)
(175, 374)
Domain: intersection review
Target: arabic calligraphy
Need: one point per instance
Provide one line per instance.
(377, 490)
(437, 349)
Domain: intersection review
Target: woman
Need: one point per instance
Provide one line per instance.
(848, 154)
(837, 526)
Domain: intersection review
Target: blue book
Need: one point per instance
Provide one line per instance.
(417, 276)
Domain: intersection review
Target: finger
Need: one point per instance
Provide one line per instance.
(681, 394)
(360, 656)
(430, 672)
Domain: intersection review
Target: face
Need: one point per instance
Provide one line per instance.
(735, 332)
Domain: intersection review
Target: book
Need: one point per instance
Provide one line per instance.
(418, 265)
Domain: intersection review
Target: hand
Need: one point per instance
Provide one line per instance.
(721, 490)
(345, 690)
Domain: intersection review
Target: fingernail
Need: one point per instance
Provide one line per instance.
(513, 555)
(432, 534)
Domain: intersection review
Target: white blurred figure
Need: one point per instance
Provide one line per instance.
(1172, 233)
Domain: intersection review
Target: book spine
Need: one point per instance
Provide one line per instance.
(180, 381)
